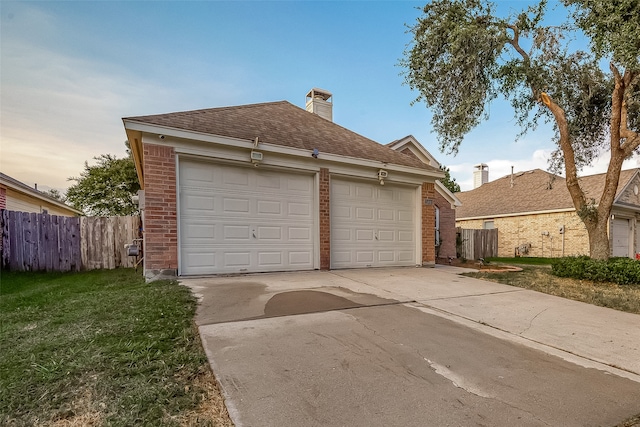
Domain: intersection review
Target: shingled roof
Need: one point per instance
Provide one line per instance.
(281, 123)
(532, 191)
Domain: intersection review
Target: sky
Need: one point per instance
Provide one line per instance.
(70, 71)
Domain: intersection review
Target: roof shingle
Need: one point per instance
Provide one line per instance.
(532, 191)
(281, 123)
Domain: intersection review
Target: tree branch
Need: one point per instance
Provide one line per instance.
(577, 195)
(515, 42)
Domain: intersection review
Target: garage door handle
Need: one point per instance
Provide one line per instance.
(254, 235)
(376, 237)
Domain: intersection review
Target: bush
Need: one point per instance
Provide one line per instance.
(622, 271)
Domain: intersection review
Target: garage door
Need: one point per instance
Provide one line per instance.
(372, 225)
(620, 234)
(236, 219)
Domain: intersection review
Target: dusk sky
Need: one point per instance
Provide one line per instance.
(71, 70)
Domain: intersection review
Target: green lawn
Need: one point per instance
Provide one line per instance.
(102, 348)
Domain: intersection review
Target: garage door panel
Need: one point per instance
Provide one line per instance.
(300, 258)
(270, 207)
(299, 209)
(234, 177)
(200, 231)
(298, 233)
(236, 232)
(364, 235)
(270, 233)
(386, 214)
(366, 257)
(235, 219)
(372, 225)
(620, 237)
(270, 258)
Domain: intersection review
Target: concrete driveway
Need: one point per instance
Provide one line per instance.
(413, 347)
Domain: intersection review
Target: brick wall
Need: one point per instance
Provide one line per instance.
(447, 227)
(428, 225)
(3, 198)
(160, 219)
(515, 231)
(325, 221)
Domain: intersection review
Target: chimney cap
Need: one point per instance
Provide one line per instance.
(317, 93)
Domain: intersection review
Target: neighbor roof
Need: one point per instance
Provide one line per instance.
(14, 184)
(281, 123)
(532, 191)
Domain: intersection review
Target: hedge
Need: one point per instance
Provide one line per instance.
(622, 271)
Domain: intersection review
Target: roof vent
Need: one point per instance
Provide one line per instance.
(320, 102)
(480, 175)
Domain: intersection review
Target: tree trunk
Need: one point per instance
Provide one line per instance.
(599, 239)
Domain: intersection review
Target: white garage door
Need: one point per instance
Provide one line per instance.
(372, 225)
(620, 234)
(237, 219)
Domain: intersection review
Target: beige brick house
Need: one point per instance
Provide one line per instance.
(272, 187)
(534, 214)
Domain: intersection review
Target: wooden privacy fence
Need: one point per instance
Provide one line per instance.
(477, 244)
(41, 242)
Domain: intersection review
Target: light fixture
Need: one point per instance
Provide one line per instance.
(382, 174)
(256, 157)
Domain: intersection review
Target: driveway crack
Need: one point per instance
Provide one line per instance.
(532, 319)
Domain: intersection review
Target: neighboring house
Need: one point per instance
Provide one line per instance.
(445, 202)
(272, 187)
(17, 196)
(534, 214)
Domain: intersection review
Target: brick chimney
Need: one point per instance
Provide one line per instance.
(320, 102)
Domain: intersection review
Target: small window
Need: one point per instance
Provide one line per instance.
(488, 225)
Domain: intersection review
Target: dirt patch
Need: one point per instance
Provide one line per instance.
(466, 263)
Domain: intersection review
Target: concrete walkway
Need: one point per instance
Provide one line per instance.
(393, 346)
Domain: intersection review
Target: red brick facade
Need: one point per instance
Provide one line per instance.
(325, 221)
(160, 218)
(447, 228)
(428, 224)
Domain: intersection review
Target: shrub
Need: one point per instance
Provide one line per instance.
(622, 271)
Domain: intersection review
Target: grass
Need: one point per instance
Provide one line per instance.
(102, 348)
(522, 261)
(538, 277)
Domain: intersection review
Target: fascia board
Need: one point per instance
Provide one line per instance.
(272, 148)
(448, 195)
(470, 218)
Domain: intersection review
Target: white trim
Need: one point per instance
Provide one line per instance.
(178, 214)
(448, 195)
(316, 221)
(471, 218)
(418, 221)
(420, 152)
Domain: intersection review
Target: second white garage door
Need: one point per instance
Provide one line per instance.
(244, 219)
(372, 225)
(620, 237)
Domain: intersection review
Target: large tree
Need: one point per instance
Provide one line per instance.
(106, 188)
(464, 55)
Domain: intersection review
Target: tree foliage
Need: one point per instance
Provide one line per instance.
(55, 194)
(448, 181)
(106, 188)
(464, 55)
